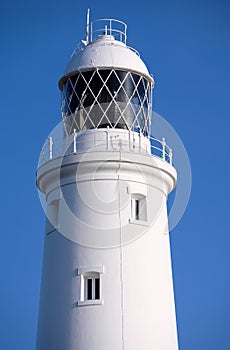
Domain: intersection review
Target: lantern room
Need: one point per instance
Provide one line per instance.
(106, 84)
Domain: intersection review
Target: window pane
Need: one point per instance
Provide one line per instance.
(128, 86)
(104, 96)
(104, 73)
(121, 74)
(97, 288)
(113, 83)
(137, 209)
(135, 203)
(87, 95)
(89, 289)
(96, 83)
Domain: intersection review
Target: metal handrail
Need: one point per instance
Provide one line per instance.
(54, 148)
(108, 30)
(134, 50)
(93, 34)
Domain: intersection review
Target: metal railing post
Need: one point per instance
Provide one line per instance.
(107, 137)
(91, 31)
(163, 148)
(74, 141)
(51, 147)
(150, 139)
(129, 141)
(110, 27)
(170, 156)
(139, 140)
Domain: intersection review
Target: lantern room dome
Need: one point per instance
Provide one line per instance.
(104, 50)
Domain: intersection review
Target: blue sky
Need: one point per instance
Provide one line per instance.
(187, 48)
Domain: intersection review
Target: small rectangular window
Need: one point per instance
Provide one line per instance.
(138, 207)
(92, 286)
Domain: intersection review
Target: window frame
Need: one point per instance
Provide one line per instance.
(90, 290)
(138, 208)
(94, 274)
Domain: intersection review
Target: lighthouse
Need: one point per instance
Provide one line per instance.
(107, 277)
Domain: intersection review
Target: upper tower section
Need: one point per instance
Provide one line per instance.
(106, 84)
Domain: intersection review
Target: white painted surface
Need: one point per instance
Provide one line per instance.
(106, 53)
(138, 304)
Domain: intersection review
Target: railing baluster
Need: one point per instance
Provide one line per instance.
(163, 148)
(74, 141)
(91, 32)
(107, 137)
(170, 156)
(110, 25)
(51, 147)
(129, 141)
(139, 140)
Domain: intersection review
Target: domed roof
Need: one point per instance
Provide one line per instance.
(105, 52)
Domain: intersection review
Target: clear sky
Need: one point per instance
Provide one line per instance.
(186, 45)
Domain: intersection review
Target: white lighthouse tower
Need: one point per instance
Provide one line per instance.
(107, 278)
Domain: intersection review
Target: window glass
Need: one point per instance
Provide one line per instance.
(138, 207)
(102, 98)
(97, 288)
(91, 286)
(89, 289)
(135, 208)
